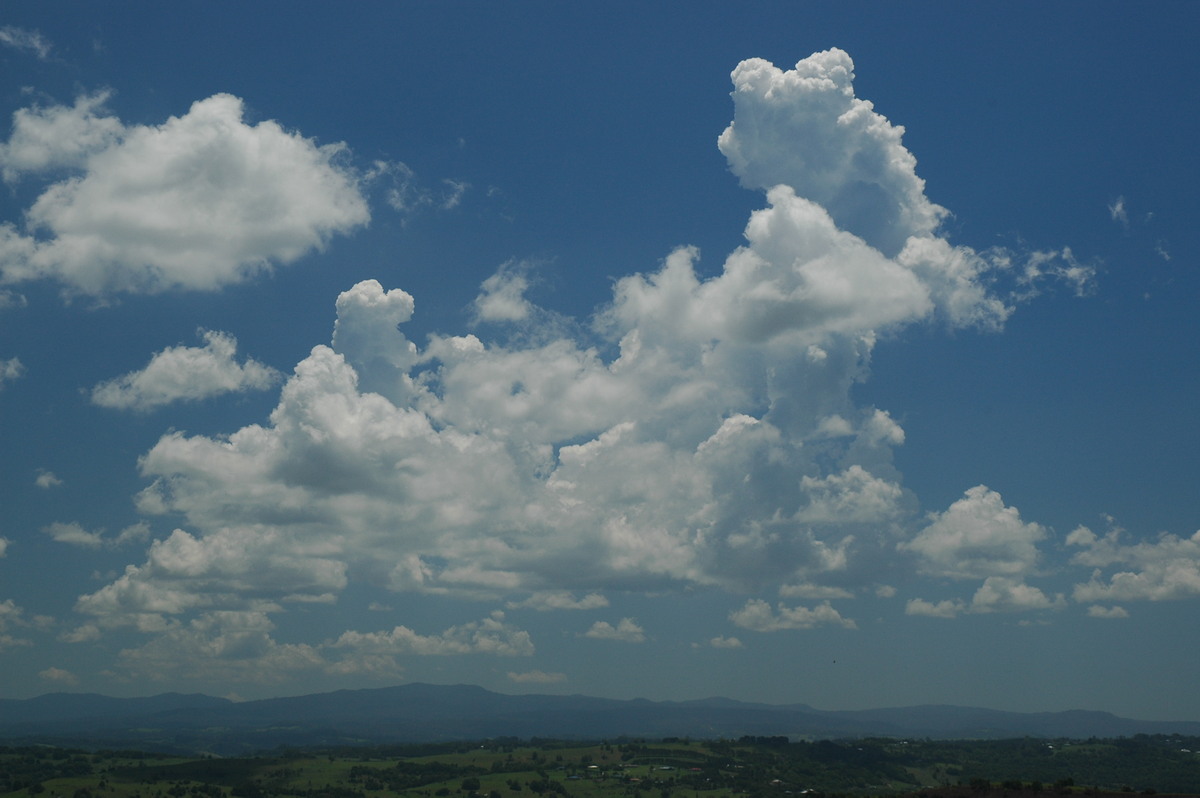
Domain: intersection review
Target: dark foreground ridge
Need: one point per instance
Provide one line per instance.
(431, 713)
(750, 767)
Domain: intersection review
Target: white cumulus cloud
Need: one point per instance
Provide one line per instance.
(853, 162)
(560, 600)
(627, 630)
(74, 534)
(725, 642)
(59, 137)
(947, 608)
(185, 373)
(201, 201)
(978, 536)
(10, 370)
(758, 616)
(695, 431)
(1149, 570)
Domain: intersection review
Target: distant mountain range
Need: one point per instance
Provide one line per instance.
(431, 713)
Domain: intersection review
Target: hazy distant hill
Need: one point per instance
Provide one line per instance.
(425, 713)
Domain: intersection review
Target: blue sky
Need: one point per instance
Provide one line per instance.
(829, 353)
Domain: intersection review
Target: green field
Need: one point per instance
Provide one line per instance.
(753, 767)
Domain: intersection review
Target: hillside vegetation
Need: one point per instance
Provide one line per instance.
(756, 767)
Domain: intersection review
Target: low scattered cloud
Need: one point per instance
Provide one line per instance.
(758, 616)
(11, 369)
(560, 600)
(502, 296)
(1001, 594)
(1149, 570)
(183, 373)
(492, 635)
(239, 646)
(220, 647)
(947, 608)
(47, 479)
(537, 677)
(725, 642)
(74, 534)
(201, 201)
(996, 594)
(12, 617)
(807, 591)
(977, 537)
(58, 676)
(627, 630)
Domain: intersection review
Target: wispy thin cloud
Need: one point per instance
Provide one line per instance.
(1116, 210)
(30, 41)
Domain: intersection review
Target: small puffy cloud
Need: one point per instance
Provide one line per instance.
(725, 642)
(1001, 594)
(1150, 570)
(58, 137)
(237, 569)
(537, 677)
(75, 535)
(757, 616)
(86, 633)
(502, 296)
(47, 479)
(10, 370)
(492, 635)
(977, 537)
(949, 608)
(996, 594)
(58, 676)
(221, 647)
(28, 40)
(560, 600)
(185, 373)
(202, 201)
(882, 428)
(1097, 611)
(3, 546)
(854, 495)
(627, 630)
(11, 618)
